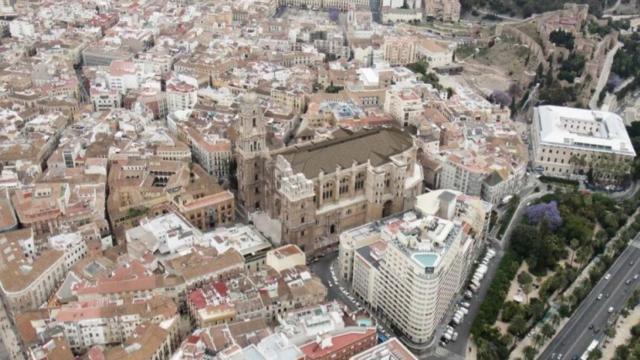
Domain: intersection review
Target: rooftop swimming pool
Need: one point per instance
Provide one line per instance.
(427, 260)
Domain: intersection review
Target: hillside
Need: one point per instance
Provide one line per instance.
(525, 8)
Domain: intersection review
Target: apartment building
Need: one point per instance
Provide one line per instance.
(285, 257)
(150, 340)
(289, 100)
(245, 239)
(207, 211)
(341, 344)
(176, 152)
(263, 294)
(399, 50)
(26, 282)
(163, 235)
(103, 322)
(412, 272)
(181, 94)
(446, 10)
(405, 105)
(390, 349)
(104, 99)
(447, 204)
(572, 143)
(342, 5)
(211, 151)
(72, 244)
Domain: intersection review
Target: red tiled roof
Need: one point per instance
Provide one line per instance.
(313, 350)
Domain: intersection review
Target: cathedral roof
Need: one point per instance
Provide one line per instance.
(376, 145)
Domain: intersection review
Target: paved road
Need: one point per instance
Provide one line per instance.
(575, 336)
(322, 268)
(459, 347)
(464, 329)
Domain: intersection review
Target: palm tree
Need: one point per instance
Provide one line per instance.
(538, 339)
(547, 330)
(529, 352)
(583, 253)
(573, 244)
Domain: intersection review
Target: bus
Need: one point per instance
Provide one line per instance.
(592, 346)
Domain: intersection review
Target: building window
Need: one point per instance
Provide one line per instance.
(344, 185)
(359, 181)
(327, 191)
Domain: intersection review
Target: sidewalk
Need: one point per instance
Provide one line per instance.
(623, 333)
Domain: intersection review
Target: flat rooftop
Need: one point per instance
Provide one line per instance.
(584, 129)
(8, 220)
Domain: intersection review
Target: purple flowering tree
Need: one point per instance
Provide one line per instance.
(549, 211)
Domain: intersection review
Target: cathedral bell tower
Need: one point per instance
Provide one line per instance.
(251, 151)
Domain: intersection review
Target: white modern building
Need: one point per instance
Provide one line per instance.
(243, 238)
(411, 269)
(570, 142)
(165, 234)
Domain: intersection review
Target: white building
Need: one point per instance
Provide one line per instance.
(182, 93)
(73, 246)
(437, 53)
(399, 50)
(404, 105)
(165, 234)
(569, 143)
(123, 76)
(286, 257)
(412, 270)
(21, 29)
(243, 238)
(211, 151)
(310, 322)
(104, 99)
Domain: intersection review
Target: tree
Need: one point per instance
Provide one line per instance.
(524, 278)
(547, 330)
(529, 352)
(583, 254)
(622, 352)
(526, 289)
(518, 326)
(562, 38)
(572, 67)
(510, 310)
(538, 340)
(573, 244)
(595, 354)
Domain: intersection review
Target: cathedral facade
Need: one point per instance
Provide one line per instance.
(316, 190)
